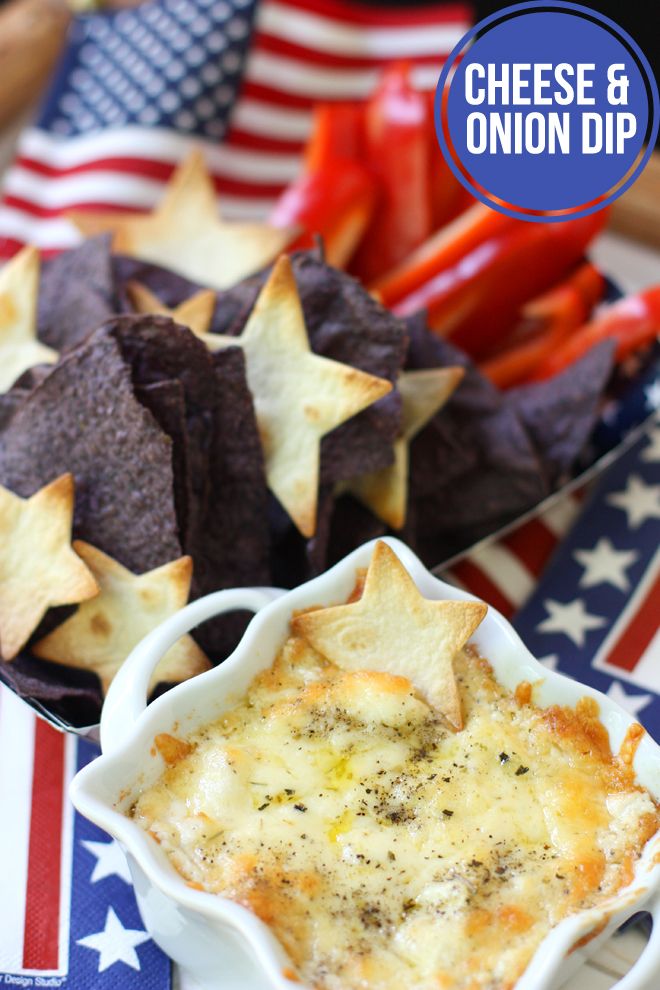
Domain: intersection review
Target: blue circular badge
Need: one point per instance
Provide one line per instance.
(547, 111)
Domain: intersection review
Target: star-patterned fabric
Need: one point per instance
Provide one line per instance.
(594, 615)
(68, 915)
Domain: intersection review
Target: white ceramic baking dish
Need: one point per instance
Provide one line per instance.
(221, 944)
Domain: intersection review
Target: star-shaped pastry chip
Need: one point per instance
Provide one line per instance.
(102, 632)
(185, 233)
(195, 312)
(19, 347)
(298, 395)
(38, 568)
(392, 629)
(423, 393)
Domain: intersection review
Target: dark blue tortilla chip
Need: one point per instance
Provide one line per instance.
(76, 294)
(166, 285)
(560, 414)
(84, 418)
(474, 466)
(217, 449)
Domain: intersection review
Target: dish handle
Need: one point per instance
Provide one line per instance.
(645, 973)
(127, 697)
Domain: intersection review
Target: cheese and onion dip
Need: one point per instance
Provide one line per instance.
(386, 850)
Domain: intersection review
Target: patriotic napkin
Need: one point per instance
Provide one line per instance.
(68, 916)
(594, 616)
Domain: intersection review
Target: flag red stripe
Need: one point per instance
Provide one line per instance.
(314, 56)
(145, 167)
(42, 899)
(638, 633)
(9, 246)
(239, 138)
(378, 16)
(473, 578)
(276, 97)
(161, 171)
(532, 544)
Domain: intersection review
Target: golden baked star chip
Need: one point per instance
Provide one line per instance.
(102, 633)
(185, 234)
(298, 395)
(19, 347)
(38, 568)
(423, 393)
(195, 313)
(393, 629)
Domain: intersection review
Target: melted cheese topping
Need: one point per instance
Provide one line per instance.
(385, 850)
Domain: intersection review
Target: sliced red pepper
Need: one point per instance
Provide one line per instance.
(397, 146)
(514, 365)
(568, 304)
(337, 132)
(448, 197)
(441, 252)
(633, 323)
(476, 301)
(546, 322)
(335, 201)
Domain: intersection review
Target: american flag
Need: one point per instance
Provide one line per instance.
(68, 916)
(136, 88)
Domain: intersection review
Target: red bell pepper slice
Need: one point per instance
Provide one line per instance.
(476, 301)
(335, 201)
(633, 322)
(337, 132)
(568, 304)
(547, 321)
(441, 252)
(447, 196)
(397, 145)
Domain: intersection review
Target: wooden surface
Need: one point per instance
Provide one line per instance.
(637, 213)
(31, 37)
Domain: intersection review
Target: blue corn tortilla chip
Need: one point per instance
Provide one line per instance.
(223, 485)
(560, 414)
(84, 418)
(166, 285)
(165, 401)
(474, 466)
(73, 697)
(76, 294)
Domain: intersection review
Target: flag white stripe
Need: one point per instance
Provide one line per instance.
(66, 866)
(68, 192)
(299, 78)
(561, 515)
(61, 193)
(451, 578)
(44, 234)
(154, 144)
(327, 35)
(265, 120)
(58, 232)
(17, 748)
(506, 572)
